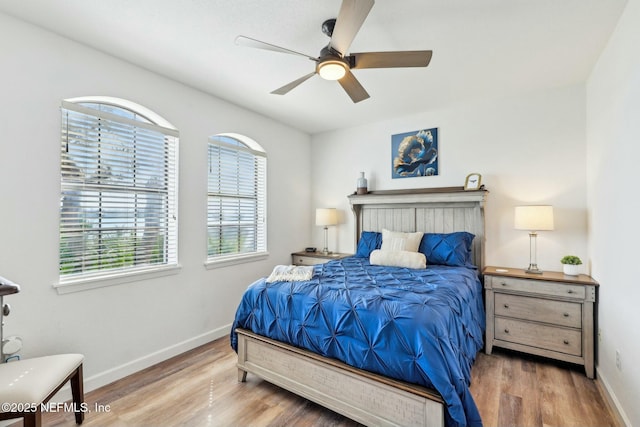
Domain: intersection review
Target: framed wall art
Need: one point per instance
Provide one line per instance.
(414, 153)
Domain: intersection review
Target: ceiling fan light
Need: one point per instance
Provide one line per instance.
(332, 70)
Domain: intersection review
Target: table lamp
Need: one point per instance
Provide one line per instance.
(534, 219)
(326, 217)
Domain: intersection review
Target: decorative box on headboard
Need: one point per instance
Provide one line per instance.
(430, 210)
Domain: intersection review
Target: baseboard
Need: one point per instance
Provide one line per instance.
(614, 404)
(101, 379)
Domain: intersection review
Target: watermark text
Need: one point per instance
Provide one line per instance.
(54, 407)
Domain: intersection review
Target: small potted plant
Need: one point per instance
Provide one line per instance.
(570, 265)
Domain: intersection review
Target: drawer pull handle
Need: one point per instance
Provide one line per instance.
(570, 291)
(506, 330)
(506, 306)
(566, 342)
(566, 314)
(503, 283)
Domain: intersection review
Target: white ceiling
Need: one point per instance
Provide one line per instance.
(481, 48)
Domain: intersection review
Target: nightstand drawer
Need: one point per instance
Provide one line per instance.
(313, 258)
(560, 313)
(552, 338)
(307, 260)
(539, 287)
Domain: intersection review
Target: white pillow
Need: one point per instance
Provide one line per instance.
(398, 241)
(398, 259)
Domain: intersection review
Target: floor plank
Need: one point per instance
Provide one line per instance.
(510, 413)
(200, 388)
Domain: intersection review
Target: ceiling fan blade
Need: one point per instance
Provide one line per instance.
(286, 88)
(249, 42)
(409, 58)
(352, 86)
(350, 18)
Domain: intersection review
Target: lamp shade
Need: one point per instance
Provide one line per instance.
(326, 216)
(534, 218)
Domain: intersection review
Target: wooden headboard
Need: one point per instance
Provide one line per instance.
(430, 210)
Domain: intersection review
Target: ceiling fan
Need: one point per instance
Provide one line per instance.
(333, 63)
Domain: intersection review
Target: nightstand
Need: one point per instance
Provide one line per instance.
(549, 314)
(313, 258)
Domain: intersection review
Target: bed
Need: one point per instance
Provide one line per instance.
(381, 344)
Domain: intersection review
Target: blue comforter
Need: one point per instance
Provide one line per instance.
(422, 326)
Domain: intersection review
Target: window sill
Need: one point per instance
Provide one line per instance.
(85, 284)
(234, 259)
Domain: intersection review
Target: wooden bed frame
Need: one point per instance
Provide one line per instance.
(362, 396)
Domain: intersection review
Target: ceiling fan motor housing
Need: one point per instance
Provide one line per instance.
(331, 65)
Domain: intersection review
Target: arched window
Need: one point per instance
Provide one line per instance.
(118, 212)
(237, 201)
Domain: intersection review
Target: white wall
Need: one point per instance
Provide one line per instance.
(529, 149)
(145, 321)
(613, 135)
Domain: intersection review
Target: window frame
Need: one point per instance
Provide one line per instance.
(245, 145)
(141, 118)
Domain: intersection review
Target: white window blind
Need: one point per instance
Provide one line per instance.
(236, 207)
(118, 192)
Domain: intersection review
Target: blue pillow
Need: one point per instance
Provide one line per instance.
(369, 241)
(452, 249)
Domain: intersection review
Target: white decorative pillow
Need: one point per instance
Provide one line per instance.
(398, 259)
(398, 241)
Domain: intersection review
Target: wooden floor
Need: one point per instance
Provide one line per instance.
(200, 388)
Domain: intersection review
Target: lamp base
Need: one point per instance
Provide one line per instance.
(533, 269)
(533, 260)
(325, 250)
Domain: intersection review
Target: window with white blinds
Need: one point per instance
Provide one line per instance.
(236, 205)
(118, 210)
